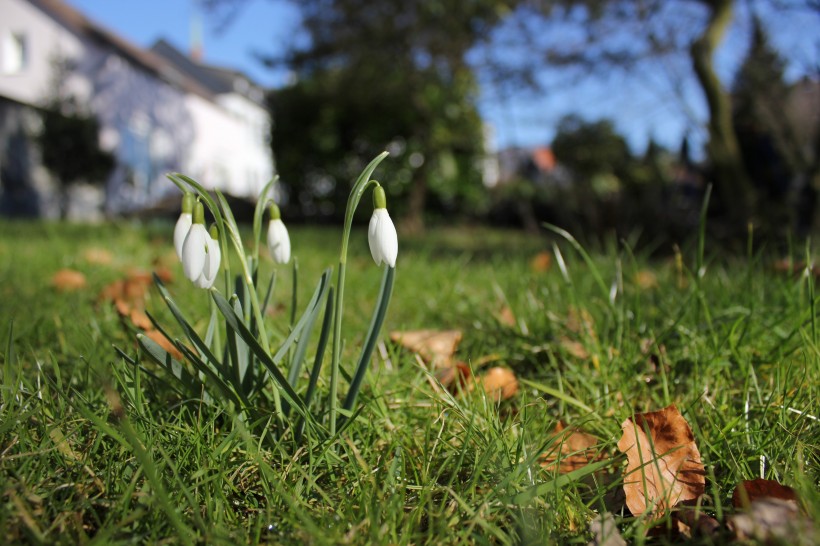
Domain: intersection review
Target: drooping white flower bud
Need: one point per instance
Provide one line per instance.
(278, 238)
(212, 260)
(194, 251)
(183, 223)
(381, 233)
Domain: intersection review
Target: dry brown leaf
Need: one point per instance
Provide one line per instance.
(66, 280)
(141, 320)
(131, 290)
(436, 347)
(164, 274)
(792, 267)
(574, 348)
(454, 377)
(749, 491)
(774, 520)
(98, 256)
(164, 342)
(605, 532)
(571, 450)
(499, 383)
(646, 279)
(123, 307)
(541, 262)
(580, 321)
(663, 462)
(506, 316)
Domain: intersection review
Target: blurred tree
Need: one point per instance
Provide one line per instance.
(590, 148)
(651, 37)
(70, 146)
(777, 149)
(392, 74)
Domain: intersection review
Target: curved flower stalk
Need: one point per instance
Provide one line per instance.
(200, 251)
(184, 222)
(381, 233)
(356, 194)
(278, 238)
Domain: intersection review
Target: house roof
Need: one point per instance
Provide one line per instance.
(147, 60)
(216, 79)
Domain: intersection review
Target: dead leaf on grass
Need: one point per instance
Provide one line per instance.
(98, 256)
(646, 279)
(774, 520)
(67, 280)
(140, 320)
(506, 316)
(500, 383)
(663, 462)
(749, 491)
(541, 262)
(571, 450)
(436, 347)
(454, 377)
(574, 348)
(165, 343)
(605, 532)
(580, 321)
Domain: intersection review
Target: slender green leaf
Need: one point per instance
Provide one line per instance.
(376, 322)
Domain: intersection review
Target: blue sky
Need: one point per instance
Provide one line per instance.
(663, 105)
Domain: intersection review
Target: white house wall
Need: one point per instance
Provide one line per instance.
(230, 152)
(46, 41)
(151, 126)
(145, 121)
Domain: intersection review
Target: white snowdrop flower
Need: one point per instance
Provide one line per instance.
(381, 233)
(183, 223)
(278, 238)
(194, 249)
(212, 260)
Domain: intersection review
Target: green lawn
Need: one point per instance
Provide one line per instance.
(735, 348)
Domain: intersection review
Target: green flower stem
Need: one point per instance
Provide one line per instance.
(352, 202)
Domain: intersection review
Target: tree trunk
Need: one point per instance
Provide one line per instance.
(731, 181)
(413, 222)
(65, 200)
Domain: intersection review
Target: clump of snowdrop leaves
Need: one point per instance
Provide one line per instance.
(240, 359)
(278, 238)
(381, 234)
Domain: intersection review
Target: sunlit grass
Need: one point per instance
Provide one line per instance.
(734, 349)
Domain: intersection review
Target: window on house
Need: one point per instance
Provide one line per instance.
(15, 52)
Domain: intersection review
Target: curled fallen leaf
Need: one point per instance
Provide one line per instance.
(164, 274)
(454, 377)
(141, 320)
(541, 262)
(500, 383)
(646, 280)
(770, 520)
(663, 462)
(67, 280)
(749, 491)
(605, 532)
(574, 348)
(506, 316)
(98, 256)
(571, 449)
(123, 307)
(436, 347)
(164, 342)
